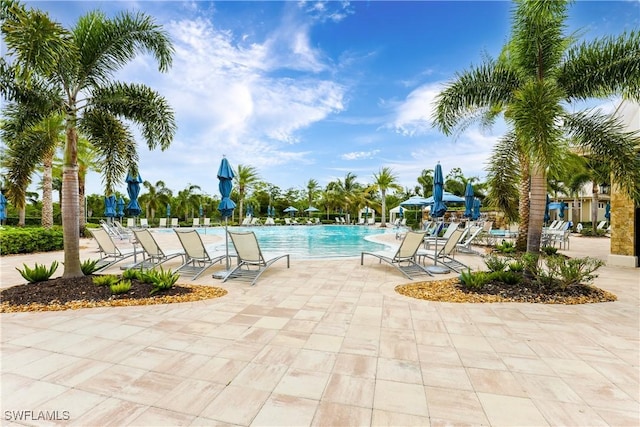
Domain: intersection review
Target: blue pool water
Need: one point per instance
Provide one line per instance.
(314, 241)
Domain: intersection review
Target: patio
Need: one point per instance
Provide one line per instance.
(326, 342)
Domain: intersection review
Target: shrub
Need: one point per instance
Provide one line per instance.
(89, 266)
(30, 240)
(162, 280)
(516, 266)
(507, 277)
(530, 264)
(575, 271)
(132, 274)
(39, 273)
(506, 247)
(122, 287)
(549, 250)
(106, 280)
(474, 280)
(495, 263)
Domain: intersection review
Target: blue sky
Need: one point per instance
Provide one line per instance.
(303, 90)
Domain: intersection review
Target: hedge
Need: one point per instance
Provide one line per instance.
(30, 239)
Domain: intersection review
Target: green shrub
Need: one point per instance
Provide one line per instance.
(122, 287)
(89, 266)
(31, 239)
(106, 280)
(162, 280)
(132, 274)
(495, 263)
(474, 280)
(549, 250)
(516, 266)
(39, 273)
(575, 271)
(530, 263)
(507, 277)
(506, 247)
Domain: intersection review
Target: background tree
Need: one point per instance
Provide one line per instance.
(245, 178)
(426, 182)
(52, 69)
(156, 197)
(384, 181)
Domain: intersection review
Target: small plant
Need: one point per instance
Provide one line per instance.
(495, 263)
(516, 266)
(550, 250)
(530, 263)
(507, 277)
(506, 247)
(474, 280)
(121, 287)
(39, 273)
(89, 266)
(575, 271)
(106, 280)
(162, 280)
(132, 274)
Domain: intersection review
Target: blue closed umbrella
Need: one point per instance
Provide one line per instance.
(168, 210)
(120, 207)
(561, 209)
(269, 211)
(3, 207)
(476, 209)
(110, 206)
(607, 211)
(546, 210)
(200, 212)
(439, 208)
(226, 206)
(468, 201)
(133, 189)
(249, 210)
(401, 212)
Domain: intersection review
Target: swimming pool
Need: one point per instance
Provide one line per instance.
(314, 241)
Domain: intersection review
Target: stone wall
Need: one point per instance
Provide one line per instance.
(623, 227)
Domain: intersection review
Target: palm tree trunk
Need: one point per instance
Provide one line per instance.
(523, 205)
(47, 191)
(22, 216)
(383, 216)
(536, 209)
(70, 203)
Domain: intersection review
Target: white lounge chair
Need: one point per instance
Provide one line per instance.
(120, 229)
(196, 223)
(471, 233)
(162, 223)
(428, 240)
(206, 222)
(110, 254)
(445, 254)
(251, 261)
(144, 222)
(131, 222)
(197, 258)
(114, 231)
(153, 255)
(269, 221)
(174, 223)
(246, 220)
(404, 259)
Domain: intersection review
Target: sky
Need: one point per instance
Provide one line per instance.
(315, 90)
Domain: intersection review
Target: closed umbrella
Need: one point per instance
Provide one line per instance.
(168, 210)
(120, 207)
(110, 206)
(133, 189)
(476, 209)
(561, 209)
(437, 211)
(607, 211)
(200, 211)
(401, 212)
(468, 201)
(3, 207)
(546, 210)
(226, 206)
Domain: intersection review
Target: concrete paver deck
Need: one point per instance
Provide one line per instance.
(326, 342)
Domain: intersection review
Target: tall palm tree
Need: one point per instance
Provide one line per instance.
(71, 72)
(246, 177)
(187, 201)
(156, 197)
(384, 181)
(426, 182)
(543, 72)
(312, 189)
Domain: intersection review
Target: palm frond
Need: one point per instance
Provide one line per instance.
(503, 176)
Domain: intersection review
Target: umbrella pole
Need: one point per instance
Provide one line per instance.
(226, 241)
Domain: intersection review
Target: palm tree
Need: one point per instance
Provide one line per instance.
(156, 197)
(312, 189)
(426, 182)
(540, 73)
(383, 181)
(71, 72)
(246, 177)
(187, 201)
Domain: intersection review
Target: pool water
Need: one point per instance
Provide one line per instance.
(311, 241)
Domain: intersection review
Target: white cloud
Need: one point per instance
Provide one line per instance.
(356, 155)
(413, 116)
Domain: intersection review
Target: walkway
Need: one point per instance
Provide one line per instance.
(327, 343)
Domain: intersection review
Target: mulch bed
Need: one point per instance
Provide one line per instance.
(451, 290)
(64, 294)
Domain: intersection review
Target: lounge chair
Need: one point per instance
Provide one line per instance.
(360, 221)
(269, 221)
(371, 221)
(404, 259)
(445, 254)
(196, 223)
(113, 231)
(470, 234)
(197, 258)
(255, 221)
(144, 222)
(251, 261)
(246, 220)
(601, 225)
(206, 222)
(174, 223)
(121, 230)
(131, 222)
(428, 240)
(162, 223)
(153, 255)
(110, 254)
